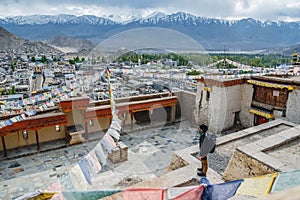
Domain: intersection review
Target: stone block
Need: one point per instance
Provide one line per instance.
(270, 142)
(114, 156)
(290, 133)
(119, 153)
(176, 163)
(76, 138)
(223, 140)
(124, 152)
(18, 170)
(239, 134)
(267, 160)
(250, 149)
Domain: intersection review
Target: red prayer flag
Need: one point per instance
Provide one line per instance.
(143, 193)
(56, 187)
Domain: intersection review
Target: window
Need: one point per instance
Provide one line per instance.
(91, 123)
(25, 135)
(57, 128)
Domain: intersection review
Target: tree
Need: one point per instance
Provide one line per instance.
(32, 59)
(4, 92)
(194, 72)
(77, 60)
(44, 59)
(71, 62)
(13, 90)
(12, 66)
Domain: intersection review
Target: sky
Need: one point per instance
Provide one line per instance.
(285, 10)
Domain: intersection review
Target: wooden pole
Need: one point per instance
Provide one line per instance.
(86, 130)
(131, 122)
(4, 146)
(37, 140)
(66, 134)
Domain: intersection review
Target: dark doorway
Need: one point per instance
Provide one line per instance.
(260, 120)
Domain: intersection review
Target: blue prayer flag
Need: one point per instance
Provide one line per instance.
(84, 168)
(221, 191)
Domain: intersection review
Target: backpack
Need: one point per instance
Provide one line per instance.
(212, 137)
(213, 149)
(208, 145)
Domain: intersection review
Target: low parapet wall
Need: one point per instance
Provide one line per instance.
(255, 159)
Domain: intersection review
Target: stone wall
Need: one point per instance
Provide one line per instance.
(218, 104)
(201, 105)
(225, 102)
(243, 166)
(246, 118)
(187, 104)
(176, 163)
(293, 106)
(15, 140)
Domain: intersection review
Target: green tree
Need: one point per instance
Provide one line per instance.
(44, 59)
(71, 62)
(77, 59)
(12, 66)
(13, 90)
(194, 72)
(32, 59)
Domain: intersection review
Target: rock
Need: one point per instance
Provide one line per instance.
(18, 170)
(176, 163)
(16, 164)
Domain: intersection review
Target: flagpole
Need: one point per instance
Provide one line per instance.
(111, 98)
(109, 90)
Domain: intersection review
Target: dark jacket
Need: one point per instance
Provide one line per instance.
(201, 139)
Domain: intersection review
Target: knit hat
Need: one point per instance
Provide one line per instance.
(203, 127)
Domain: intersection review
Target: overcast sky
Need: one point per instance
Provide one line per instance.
(287, 10)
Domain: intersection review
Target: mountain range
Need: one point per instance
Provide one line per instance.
(210, 33)
(9, 41)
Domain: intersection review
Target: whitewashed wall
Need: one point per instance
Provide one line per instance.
(247, 118)
(293, 106)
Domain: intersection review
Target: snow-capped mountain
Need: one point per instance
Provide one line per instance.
(57, 19)
(211, 33)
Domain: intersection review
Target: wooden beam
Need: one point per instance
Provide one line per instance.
(66, 135)
(4, 146)
(86, 130)
(105, 111)
(37, 139)
(131, 122)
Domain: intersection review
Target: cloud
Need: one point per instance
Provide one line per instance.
(228, 9)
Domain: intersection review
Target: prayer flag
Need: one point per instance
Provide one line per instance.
(100, 154)
(115, 124)
(114, 133)
(257, 186)
(56, 187)
(88, 195)
(95, 160)
(286, 180)
(84, 168)
(143, 193)
(221, 191)
(185, 193)
(78, 178)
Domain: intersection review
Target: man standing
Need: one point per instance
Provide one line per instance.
(202, 171)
